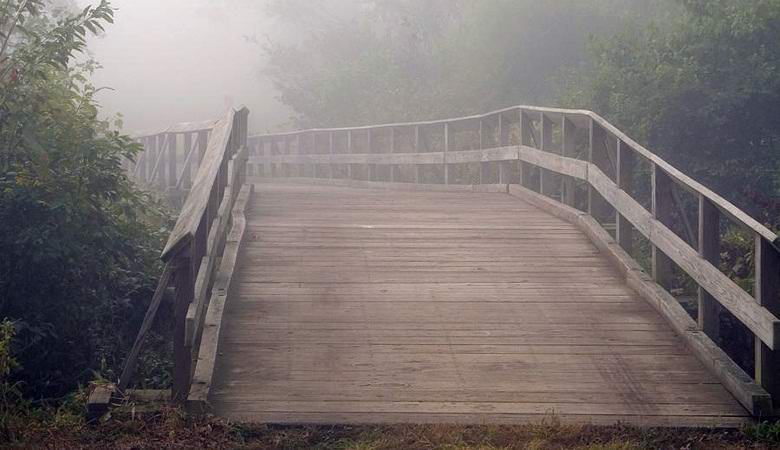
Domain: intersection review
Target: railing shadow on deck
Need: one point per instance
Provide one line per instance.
(574, 164)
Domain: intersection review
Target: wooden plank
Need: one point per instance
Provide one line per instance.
(339, 302)
(204, 367)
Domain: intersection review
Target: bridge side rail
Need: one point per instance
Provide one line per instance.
(169, 158)
(580, 160)
(196, 246)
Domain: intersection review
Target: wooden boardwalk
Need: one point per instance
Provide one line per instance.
(359, 305)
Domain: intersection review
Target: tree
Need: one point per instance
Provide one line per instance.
(703, 91)
(79, 242)
(399, 60)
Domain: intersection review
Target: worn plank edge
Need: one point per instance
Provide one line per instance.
(197, 401)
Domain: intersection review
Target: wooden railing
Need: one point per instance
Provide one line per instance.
(171, 158)
(580, 160)
(200, 244)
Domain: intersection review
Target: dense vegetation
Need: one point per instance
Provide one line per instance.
(79, 243)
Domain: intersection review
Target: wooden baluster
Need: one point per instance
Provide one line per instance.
(484, 167)
(446, 150)
(709, 249)
(350, 151)
(662, 211)
(568, 136)
(417, 150)
(767, 293)
(502, 178)
(203, 143)
(186, 174)
(526, 139)
(173, 150)
(625, 181)
(182, 354)
(332, 151)
(143, 157)
(299, 153)
(392, 151)
(546, 185)
(162, 146)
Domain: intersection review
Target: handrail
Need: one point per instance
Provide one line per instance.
(539, 148)
(196, 243)
(690, 184)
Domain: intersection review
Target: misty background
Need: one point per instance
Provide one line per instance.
(185, 60)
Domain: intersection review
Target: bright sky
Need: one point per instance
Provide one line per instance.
(172, 61)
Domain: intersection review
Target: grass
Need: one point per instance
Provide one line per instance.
(171, 429)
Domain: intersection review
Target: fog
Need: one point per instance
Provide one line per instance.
(185, 60)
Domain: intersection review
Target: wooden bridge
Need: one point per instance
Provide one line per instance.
(509, 267)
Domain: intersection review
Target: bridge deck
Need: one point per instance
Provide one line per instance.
(374, 306)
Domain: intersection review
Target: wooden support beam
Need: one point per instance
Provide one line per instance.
(709, 249)
(349, 151)
(417, 150)
(446, 149)
(173, 155)
(370, 150)
(568, 136)
(625, 181)
(767, 293)
(146, 325)
(392, 150)
(662, 211)
(502, 175)
(182, 353)
(547, 186)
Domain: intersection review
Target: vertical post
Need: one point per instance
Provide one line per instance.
(162, 147)
(546, 185)
(182, 354)
(568, 136)
(186, 173)
(172, 159)
(417, 151)
(298, 152)
(142, 158)
(446, 150)
(203, 143)
(709, 249)
(767, 293)
(484, 167)
(526, 139)
(662, 211)
(392, 150)
(501, 165)
(591, 143)
(625, 180)
(332, 151)
(349, 150)
(370, 150)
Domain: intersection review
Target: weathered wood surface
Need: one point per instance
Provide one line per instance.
(370, 306)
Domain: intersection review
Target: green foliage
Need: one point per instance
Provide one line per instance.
(703, 90)
(766, 432)
(401, 60)
(79, 243)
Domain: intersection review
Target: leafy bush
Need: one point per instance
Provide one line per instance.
(80, 244)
